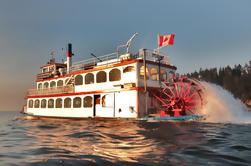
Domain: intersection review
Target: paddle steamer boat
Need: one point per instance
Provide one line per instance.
(117, 85)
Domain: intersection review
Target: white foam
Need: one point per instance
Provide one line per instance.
(222, 107)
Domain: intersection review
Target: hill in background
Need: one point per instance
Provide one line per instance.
(237, 79)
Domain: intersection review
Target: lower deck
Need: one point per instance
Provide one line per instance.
(111, 105)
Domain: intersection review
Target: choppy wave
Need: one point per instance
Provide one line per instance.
(123, 142)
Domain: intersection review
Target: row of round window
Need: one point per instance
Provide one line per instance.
(51, 85)
(114, 75)
(154, 74)
(101, 76)
(60, 103)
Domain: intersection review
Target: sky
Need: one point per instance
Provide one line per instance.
(209, 33)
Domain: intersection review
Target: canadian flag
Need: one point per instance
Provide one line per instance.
(165, 40)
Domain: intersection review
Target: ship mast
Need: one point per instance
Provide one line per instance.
(128, 44)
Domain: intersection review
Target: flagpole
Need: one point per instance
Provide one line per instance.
(158, 44)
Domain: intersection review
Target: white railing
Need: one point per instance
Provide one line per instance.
(50, 91)
(151, 55)
(89, 63)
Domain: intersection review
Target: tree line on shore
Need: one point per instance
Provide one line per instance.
(235, 79)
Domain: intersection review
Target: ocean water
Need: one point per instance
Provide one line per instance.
(223, 139)
(121, 142)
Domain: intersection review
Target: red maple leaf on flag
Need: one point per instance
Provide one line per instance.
(165, 40)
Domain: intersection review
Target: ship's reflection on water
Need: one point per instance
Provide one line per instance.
(110, 140)
(122, 142)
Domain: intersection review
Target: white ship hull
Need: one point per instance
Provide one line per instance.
(121, 105)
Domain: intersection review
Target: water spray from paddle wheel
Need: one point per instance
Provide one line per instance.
(180, 96)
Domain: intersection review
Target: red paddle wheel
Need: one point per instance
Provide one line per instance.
(180, 96)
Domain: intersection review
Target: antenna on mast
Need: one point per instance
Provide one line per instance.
(96, 57)
(128, 43)
(62, 53)
(52, 54)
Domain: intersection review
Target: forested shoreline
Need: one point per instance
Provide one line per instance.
(235, 79)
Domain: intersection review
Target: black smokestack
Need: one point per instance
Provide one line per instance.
(69, 51)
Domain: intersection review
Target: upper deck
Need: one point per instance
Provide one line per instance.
(107, 72)
(55, 70)
(115, 58)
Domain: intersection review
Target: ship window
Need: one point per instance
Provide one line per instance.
(39, 86)
(66, 80)
(88, 101)
(114, 75)
(67, 103)
(43, 103)
(89, 78)
(52, 84)
(46, 85)
(129, 69)
(37, 103)
(171, 72)
(59, 103)
(107, 100)
(60, 83)
(30, 103)
(79, 80)
(154, 73)
(44, 70)
(50, 103)
(77, 102)
(101, 76)
(142, 71)
(163, 75)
